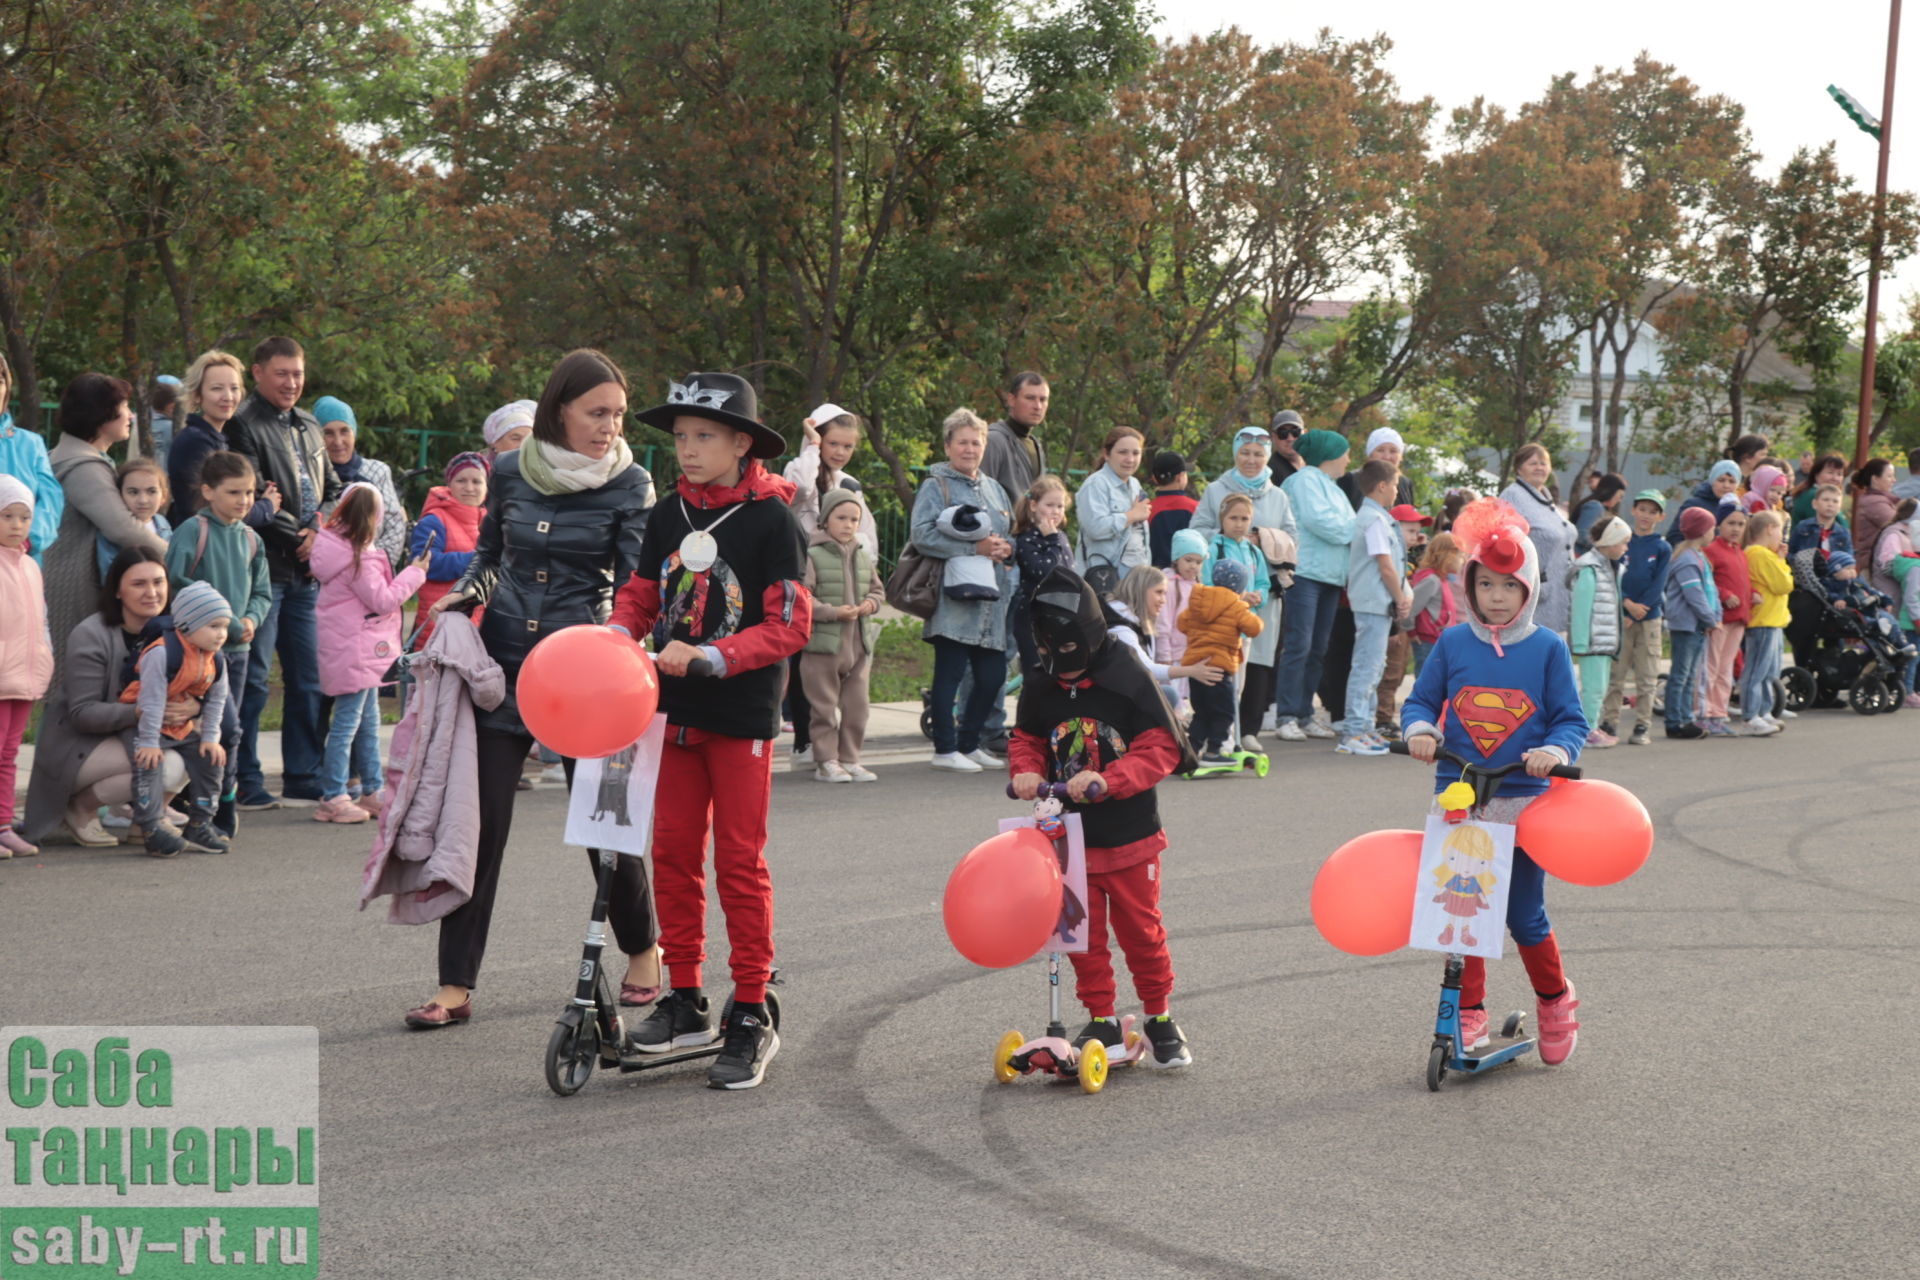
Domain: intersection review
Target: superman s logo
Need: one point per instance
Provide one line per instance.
(1490, 716)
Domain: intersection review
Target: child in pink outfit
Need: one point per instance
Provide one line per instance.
(1727, 554)
(26, 654)
(359, 618)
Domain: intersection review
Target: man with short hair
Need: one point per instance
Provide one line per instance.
(1286, 430)
(1910, 487)
(1015, 457)
(289, 455)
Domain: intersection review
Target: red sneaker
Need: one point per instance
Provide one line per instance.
(1473, 1029)
(1558, 1030)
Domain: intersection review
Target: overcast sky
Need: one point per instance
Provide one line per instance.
(1774, 61)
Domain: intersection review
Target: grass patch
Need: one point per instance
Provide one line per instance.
(902, 662)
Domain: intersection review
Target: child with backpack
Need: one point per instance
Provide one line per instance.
(1235, 541)
(1435, 607)
(215, 546)
(358, 615)
(1597, 618)
(177, 658)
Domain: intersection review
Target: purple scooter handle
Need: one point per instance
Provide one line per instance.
(1058, 790)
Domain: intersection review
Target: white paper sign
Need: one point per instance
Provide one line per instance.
(1070, 934)
(1460, 898)
(611, 805)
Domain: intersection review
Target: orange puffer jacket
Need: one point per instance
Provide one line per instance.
(1214, 621)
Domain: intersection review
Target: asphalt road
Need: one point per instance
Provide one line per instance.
(1741, 1104)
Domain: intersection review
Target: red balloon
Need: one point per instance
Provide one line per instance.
(1003, 900)
(1589, 832)
(1363, 896)
(587, 691)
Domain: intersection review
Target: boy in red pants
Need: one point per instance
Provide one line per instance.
(719, 580)
(1088, 713)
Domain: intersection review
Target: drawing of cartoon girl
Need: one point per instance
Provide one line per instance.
(1464, 878)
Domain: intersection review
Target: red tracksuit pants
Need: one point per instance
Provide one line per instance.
(1130, 900)
(711, 783)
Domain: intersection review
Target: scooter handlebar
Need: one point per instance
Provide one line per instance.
(1441, 753)
(1058, 790)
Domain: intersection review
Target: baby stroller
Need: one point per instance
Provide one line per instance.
(1845, 647)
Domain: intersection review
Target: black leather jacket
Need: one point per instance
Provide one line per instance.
(543, 563)
(256, 433)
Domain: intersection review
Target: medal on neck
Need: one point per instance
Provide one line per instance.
(698, 550)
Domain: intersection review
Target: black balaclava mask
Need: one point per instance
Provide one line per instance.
(1068, 628)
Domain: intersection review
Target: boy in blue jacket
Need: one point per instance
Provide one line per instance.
(1643, 582)
(1504, 691)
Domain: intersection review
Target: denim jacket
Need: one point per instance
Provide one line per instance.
(975, 622)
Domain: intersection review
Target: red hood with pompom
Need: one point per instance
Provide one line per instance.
(1495, 536)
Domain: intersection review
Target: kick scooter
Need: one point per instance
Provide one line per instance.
(1473, 792)
(1053, 1053)
(590, 1031)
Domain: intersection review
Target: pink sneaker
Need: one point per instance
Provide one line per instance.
(1558, 1031)
(373, 802)
(1595, 738)
(339, 809)
(1473, 1028)
(12, 842)
(1913, 702)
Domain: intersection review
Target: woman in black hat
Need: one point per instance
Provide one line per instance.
(565, 516)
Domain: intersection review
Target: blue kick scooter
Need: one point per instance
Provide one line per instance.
(1477, 787)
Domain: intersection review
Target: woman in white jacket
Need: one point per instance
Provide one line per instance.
(1113, 510)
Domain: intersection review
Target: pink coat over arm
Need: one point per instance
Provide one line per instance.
(359, 613)
(428, 841)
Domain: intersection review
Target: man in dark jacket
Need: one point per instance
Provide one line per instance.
(1286, 430)
(1015, 457)
(289, 456)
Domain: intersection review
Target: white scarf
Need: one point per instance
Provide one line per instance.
(561, 470)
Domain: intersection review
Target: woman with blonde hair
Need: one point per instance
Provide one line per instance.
(1114, 511)
(211, 393)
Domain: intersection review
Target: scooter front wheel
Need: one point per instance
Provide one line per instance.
(1093, 1066)
(572, 1052)
(1437, 1066)
(1003, 1069)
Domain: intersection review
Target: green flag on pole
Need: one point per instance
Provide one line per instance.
(1869, 124)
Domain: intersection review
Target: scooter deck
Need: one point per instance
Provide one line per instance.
(633, 1060)
(1243, 762)
(1500, 1051)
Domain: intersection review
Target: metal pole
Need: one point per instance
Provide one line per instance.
(1870, 348)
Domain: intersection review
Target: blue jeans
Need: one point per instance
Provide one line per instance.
(353, 744)
(237, 663)
(951, 662)
(1913, 668)
(1683, 677)
(1306, 628)
(1527, 901)
(1371, 631)
(289, 633)
(1421, 648)
(995, 725)
(1761, 650)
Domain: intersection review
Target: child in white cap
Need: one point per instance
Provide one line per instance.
(26, 653)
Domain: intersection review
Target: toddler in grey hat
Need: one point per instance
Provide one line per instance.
(180, 662)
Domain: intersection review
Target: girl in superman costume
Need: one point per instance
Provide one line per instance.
(1501, 689)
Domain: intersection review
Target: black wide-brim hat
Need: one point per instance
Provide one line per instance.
(725, 398)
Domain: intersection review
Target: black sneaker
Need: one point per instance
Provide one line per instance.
(1606, 727)
(1688, 731)
(257, 801)
(226, 819)
(751, 1044)
(200, 837)
(679, 1021)
(163, 842)
(1639, 738)
(1105, 1030)
(1214, 759)
(1169, 1046)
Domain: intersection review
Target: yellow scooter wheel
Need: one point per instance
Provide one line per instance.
(1093, 1066)
(1003, 1068)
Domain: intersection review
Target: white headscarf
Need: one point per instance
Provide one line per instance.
(12, 491)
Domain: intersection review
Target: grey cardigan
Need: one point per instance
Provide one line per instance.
(83, 710)
(93, 506)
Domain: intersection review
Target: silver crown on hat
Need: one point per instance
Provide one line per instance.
(691, 392)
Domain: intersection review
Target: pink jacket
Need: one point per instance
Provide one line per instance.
(428, 842)
(26, 654)
(1169, 641)
(359, 613)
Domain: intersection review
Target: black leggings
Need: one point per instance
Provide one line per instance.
(463, 934)
(1256, 696)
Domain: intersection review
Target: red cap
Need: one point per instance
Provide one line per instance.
(1502, 554)
(1407, 513)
